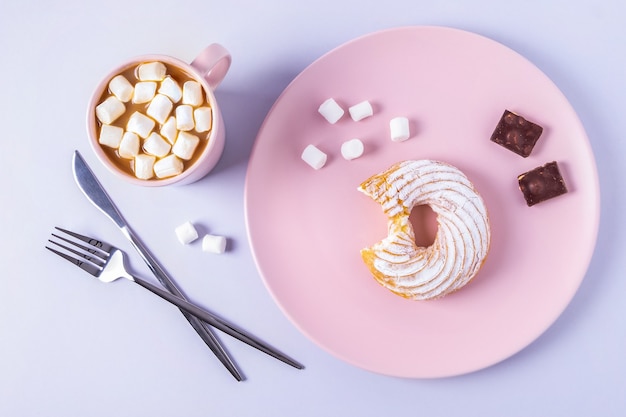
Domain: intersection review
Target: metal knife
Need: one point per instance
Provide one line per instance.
(94, 191)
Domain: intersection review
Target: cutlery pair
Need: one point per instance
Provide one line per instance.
(106, 262)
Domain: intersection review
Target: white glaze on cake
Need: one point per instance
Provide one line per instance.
(462, 240)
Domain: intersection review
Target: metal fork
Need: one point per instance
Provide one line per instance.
(107, 263)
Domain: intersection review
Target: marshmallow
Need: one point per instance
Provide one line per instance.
(203, 117)
(399, 127)
(186, 233)
(214, 244)
(184, 117)
(140, 124)
(192, 93)
(185, 145)
(156, 145)
(169, 131)
(314, 157)
(129, 146)
(169, 166)
(121, 88)
(170, 88)
(361, 110)
(331, 111)
(109, 110)
(160, 108)
(352, 149)
(144, 91)
(144, 165)
(151, 71)
(110, 136)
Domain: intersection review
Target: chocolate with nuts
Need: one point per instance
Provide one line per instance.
(516, 133)
(542, 183)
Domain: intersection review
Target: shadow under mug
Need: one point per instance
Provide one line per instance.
(209, 69)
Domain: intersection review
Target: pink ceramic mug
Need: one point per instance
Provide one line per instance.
(209, 69)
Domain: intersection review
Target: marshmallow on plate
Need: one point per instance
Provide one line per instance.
(314, 157)
(203, 118)
(185, 145)
(214, 244)
(168, 167)
(156, 145)
(331, 111)
(184, 117)
(186, 233)
(144, 165)
(352, 149)
(140, 124)
(192, 93)
(170, 88)
(110, 136)
(361, 110)
(160, 108)
(399, 128)
(121, 88)
(110, 109)
(151, 71)
(144, 91)
(129, 146)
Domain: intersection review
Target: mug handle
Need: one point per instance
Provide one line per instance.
(213, 64)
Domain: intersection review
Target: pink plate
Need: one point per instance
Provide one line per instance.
(306, 227)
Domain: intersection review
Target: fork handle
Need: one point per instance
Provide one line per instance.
(218, 323)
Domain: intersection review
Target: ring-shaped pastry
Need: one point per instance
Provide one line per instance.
(462, 240)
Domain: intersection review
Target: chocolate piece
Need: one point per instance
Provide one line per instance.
(542, 183)
(516, 133)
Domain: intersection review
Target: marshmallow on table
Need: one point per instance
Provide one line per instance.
(169, 130)
(192, 93)
(185, 145)
(399, 127)
(121, 88)
(168, 167)
(144, 91)
(184, 117)
(110, 136)
(151, 71)
(361, 110)
(352, 149)
(203, 117)
(186, 233)
(170, 88)
(314, 157)
(214, 244)
(160, 108)
(156, 145)
(144, 165)
(129, 146)
(110, 109)
(331, 111)
(140, 124)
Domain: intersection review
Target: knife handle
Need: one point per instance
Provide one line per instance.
(207, 317)
(202, 329)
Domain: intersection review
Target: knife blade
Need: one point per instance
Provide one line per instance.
(91, 187)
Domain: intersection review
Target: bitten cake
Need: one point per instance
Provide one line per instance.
(461, 242)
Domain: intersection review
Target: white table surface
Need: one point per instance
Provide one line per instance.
(71, 346)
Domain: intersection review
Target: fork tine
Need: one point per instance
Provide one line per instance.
(87, 266)
(98, 259)
(100, 245)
